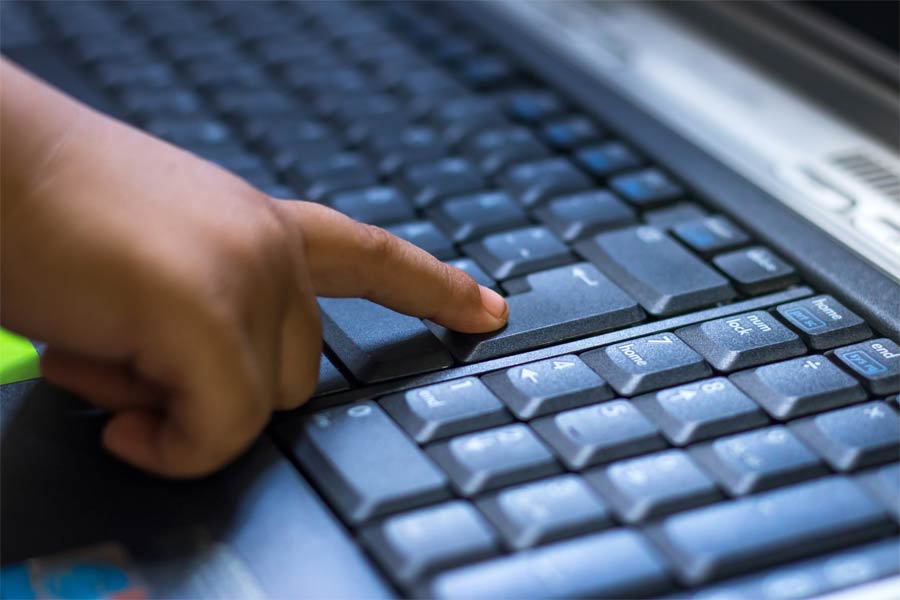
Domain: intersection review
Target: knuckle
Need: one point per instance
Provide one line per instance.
(211, 448)
(461, 286)
(378, 242)
(378, 248)
(296, 394)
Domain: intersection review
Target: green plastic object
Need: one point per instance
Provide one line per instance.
(19, 360)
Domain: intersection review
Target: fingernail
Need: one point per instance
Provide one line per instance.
(494, 303)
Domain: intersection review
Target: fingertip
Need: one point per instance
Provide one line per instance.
(132, 435)
(495, 305)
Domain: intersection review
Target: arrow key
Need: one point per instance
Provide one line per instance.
(548, 386)
(701, 410)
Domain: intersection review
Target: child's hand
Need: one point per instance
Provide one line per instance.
(173, 293)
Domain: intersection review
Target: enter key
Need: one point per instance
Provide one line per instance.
(560, 304)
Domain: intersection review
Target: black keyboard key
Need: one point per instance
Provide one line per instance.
(412, 545)
(376, 343)
(816, 577)
(182, 48)
(532, 106)
(271, 36)
(354, 108)
(585, 213)
(396, 150)
(883, 483)
(876, 362)
(149, 103)
(359, 131)
(429, 82)
(330, 379)
(769, 528)
(599, 434)
(824, 323)
(568, 133)
(653, 485)
(647, 363)
(518, 252)
(743, 340)
(276, 134)
(669, 216)
(494, 458)
(756, 270)
(799, 387)
(663, 276)
(243, 104)
(646, 188)
(548, 386)
(474, 271)
(390, 63)
(608, 158)
(701, 410)
(467, 218)
(486, 71)
(337, 172)
(496, 149)
(363, 463)
(171, 19)
(533, 182)
(376, 205)
(220, 73)
(460, 117)
(446, 409)
(710, 235)
(758, 460)
(452, 48)
(614, 564)
(188, 131)
(426, 236)
(563, 303)
(135, 73)
(285, 154)
(545, 511)
(328, 80)
(429, 182)
(115, 46)
(853, 437)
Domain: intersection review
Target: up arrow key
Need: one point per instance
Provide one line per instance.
(528, 374)
(686, 394)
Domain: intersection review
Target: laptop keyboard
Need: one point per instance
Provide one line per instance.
(702, 413)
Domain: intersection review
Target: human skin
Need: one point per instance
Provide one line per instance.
(174, 294)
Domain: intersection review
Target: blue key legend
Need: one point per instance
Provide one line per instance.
(804, 319)
(864, 362)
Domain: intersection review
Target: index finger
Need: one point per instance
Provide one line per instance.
(351, 259)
